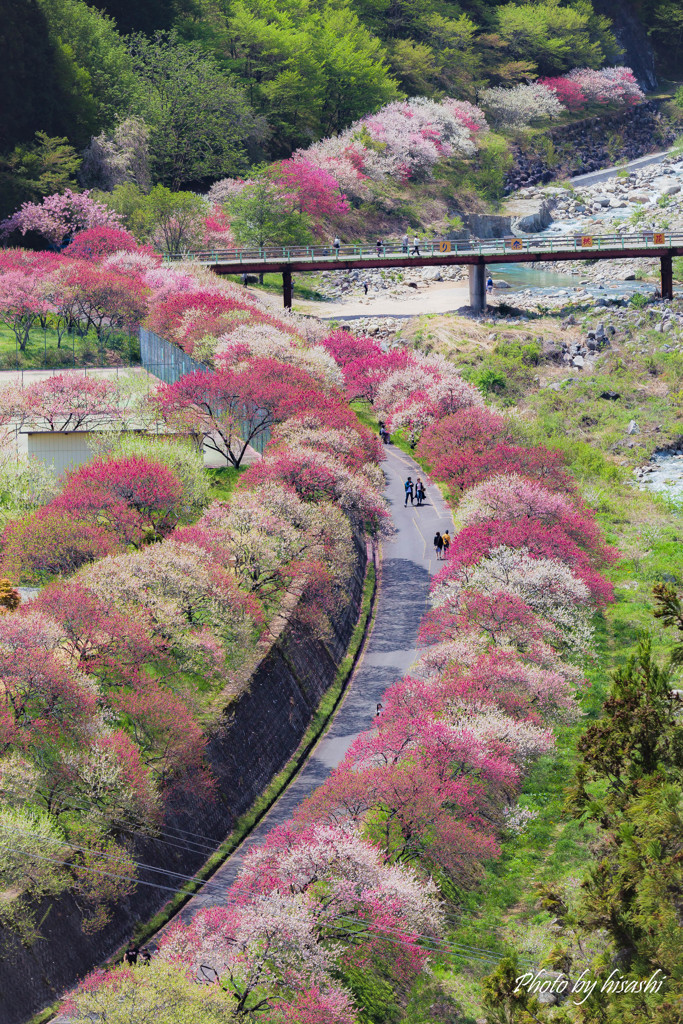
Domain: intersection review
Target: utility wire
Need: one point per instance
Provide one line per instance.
(433, 943)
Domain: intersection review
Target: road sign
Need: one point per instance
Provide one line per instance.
(445, 247)
(586, 241)
(516, 244)
(659, 238)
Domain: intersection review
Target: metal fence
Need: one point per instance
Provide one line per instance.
(169, 363)
(164, 360)
(429, 248)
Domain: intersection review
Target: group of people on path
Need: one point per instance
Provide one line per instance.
(414, 491)
(405, 244)
(134, 953)
(442, 542)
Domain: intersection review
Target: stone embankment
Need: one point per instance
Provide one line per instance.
(260, 732)
(591, 144)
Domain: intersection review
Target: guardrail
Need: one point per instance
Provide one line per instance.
(435, 248)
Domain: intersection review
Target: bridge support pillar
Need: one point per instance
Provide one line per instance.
(478, 287)
(667, 277)
(287, 288)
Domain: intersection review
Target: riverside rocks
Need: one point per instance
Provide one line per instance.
(398, 282)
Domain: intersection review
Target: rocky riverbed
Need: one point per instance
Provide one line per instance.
(644, 199)
(647, 199)
(396, 283)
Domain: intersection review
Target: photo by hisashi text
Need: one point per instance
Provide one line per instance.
(580, 990)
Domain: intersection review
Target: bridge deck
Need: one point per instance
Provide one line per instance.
(474, 252)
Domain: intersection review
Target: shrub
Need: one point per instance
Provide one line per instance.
(49, 543)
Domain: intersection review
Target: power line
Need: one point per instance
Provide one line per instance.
(433, 943)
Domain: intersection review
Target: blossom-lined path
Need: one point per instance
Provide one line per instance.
(408, 562)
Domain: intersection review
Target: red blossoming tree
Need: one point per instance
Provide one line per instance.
(236, 406)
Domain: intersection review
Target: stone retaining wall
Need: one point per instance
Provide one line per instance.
(260, 734)
(590, 145)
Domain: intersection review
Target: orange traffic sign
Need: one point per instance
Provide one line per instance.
(515, 243)
(659, 238)
(586, 241)
(445, 247)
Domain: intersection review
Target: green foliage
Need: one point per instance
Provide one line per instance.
(161, 993)
(312, 70)
(24, 485)
(507, 372)
(173, 221)
(37, 169)
(95, 68)
(493, 160)
(222, 84)
(507, 1002)
(629, 782)
(638, 300)
(262, 213)
(374, 996)
(638, 215)
(31, 850)
(200, 122)
(554, 38)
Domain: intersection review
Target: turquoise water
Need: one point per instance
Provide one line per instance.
(521, 276)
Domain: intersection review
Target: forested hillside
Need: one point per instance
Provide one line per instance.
(218, 85)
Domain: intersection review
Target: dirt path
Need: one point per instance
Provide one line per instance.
(440, 297)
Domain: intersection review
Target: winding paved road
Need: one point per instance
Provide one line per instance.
(408, 562)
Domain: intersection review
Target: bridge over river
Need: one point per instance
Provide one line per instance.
(477, 254)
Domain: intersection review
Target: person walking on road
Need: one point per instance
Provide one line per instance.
(409, 489)
(131, 954)
(420, 492)
(446, 538)
(438, 544)
(415, 251)
(405, 241)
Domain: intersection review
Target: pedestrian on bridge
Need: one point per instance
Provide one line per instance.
(415, 251)
(380, 246)
(336, 244)
(405, 241)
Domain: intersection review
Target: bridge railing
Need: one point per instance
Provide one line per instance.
(433, 248)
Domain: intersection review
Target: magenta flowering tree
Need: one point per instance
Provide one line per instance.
(568, 92)
(317, 192)
(135, 498)
(102, 240)
(60, 216)
(234, 407)
(610, 85)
